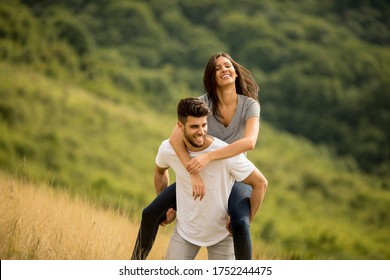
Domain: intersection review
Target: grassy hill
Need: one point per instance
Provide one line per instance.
(322, 66)
(317, 206)
(60, 133)
(43, 223)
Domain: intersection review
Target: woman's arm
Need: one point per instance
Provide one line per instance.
(247, 143)
(176, 141)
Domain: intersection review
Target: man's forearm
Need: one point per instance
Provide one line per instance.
(256, 200)
(259, 186)
(161, 181)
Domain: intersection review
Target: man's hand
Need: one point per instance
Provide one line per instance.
(171, 216)
(198, 188)
(197, 163)
(228, 226)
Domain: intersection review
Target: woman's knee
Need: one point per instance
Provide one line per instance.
(152, 214)
(239, 207)
(149, 213)
(239, 223)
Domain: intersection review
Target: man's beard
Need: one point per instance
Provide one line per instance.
(191, 140)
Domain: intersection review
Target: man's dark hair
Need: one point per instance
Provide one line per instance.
(191, 107)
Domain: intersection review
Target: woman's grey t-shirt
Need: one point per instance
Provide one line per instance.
(246, 108)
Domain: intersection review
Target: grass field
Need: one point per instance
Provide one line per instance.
(39, 222)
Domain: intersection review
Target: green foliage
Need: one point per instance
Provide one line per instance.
(63, 26)
(131, 23)
(72, 139)
(88, 91)
(17, 30)
(323, 203)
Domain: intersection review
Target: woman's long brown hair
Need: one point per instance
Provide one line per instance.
(245, 83)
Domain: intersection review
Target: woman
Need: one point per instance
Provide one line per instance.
(232, 95)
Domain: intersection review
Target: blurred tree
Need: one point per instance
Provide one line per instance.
(18, 33)
(130, 23)
(194, 44)
(263, 53)
(62, 25)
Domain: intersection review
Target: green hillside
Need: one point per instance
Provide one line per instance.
(323, 67)
(85, 104)
(57, 132)
(316, 207)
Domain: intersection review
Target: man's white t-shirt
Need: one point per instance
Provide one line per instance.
(203, 222)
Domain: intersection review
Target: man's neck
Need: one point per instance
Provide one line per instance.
(208, 142)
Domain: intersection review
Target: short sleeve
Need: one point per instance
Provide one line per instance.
(241, 167)
(161, 155)
(252, 108)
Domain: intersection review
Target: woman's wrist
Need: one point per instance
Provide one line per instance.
(210, 156)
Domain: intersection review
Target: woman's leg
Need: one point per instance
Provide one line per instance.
(152, 216)
(238, 210)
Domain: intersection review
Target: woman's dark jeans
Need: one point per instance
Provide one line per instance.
(155, 213)
(238, 210)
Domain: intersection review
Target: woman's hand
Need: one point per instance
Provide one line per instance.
(198, 188)
(197, 163)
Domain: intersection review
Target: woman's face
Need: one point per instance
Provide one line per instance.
(225, 74)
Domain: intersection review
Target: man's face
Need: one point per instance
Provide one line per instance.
(195, 131)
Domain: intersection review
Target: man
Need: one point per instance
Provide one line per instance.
(202, 223)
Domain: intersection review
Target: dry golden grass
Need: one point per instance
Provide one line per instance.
(38, 222)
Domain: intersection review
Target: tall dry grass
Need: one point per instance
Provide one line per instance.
(38, 222)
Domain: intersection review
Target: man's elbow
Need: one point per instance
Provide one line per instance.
(257, 181)
(264, 184)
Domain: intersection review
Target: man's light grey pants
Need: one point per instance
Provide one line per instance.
(180, 249)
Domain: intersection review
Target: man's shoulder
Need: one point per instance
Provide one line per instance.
(165, 145)
(165, 142)
(164, 154)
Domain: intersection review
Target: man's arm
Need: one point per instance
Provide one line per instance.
(161, 181)
(161, 178)
(259, 186)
